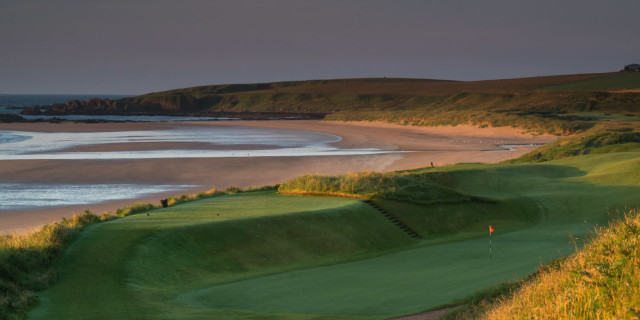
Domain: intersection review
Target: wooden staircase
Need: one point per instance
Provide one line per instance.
(405, 228)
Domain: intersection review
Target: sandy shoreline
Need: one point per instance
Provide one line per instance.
(440, 145)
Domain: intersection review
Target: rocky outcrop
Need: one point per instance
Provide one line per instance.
(10, 117)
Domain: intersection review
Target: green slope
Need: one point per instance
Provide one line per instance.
(132, 268)
(269, 256)
(602, 281)
(572, 195)
(615, 81)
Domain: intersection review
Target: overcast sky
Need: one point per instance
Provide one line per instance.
(139, 46)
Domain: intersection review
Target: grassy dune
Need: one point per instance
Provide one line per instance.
(616, 81)
(268, 256)
(546, 104)
(605, 137)
(406, 187)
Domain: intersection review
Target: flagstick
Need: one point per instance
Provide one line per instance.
(489, 244)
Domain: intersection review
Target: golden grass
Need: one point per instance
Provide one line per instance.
(602, 281)
(27, 259)
(604, 137)
(414, 187)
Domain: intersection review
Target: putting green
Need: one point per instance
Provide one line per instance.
(269, 256)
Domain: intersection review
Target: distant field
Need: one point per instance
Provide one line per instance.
(388, 86)
(615, 81)
(268, 256)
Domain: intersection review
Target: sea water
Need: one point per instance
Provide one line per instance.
(265, 142)
(31, 145)
(21, 196)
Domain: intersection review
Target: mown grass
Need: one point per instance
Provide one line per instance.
(28, 260)
(420, 199)
(158, 257)
(268, 256)
(466, 219)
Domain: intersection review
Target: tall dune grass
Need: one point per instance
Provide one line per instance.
(603, 138)
(27, 260)
(414, 187)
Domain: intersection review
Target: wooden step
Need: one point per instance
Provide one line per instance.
(401, 225)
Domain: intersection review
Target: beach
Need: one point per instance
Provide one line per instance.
(407, 147)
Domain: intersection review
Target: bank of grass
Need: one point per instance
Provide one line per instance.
(605, 137)
(174, 251)
(463, 219)
(601, 281)
(543, 114)
(28, 260)
(615, 81)
(422, 199)
(423, 188)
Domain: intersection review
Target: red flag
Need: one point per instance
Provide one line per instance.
(490, 229)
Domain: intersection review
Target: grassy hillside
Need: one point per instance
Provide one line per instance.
(542, 103)
(269, 256)
(617, 81)
(136, 267)
(26, 262)
(404, 187)
(605, 137)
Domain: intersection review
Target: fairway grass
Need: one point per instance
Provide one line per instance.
(263, 255)
(134, 267)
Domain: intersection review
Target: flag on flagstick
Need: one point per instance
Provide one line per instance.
(490, 232)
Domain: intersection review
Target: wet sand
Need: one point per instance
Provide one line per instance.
(420, 146)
